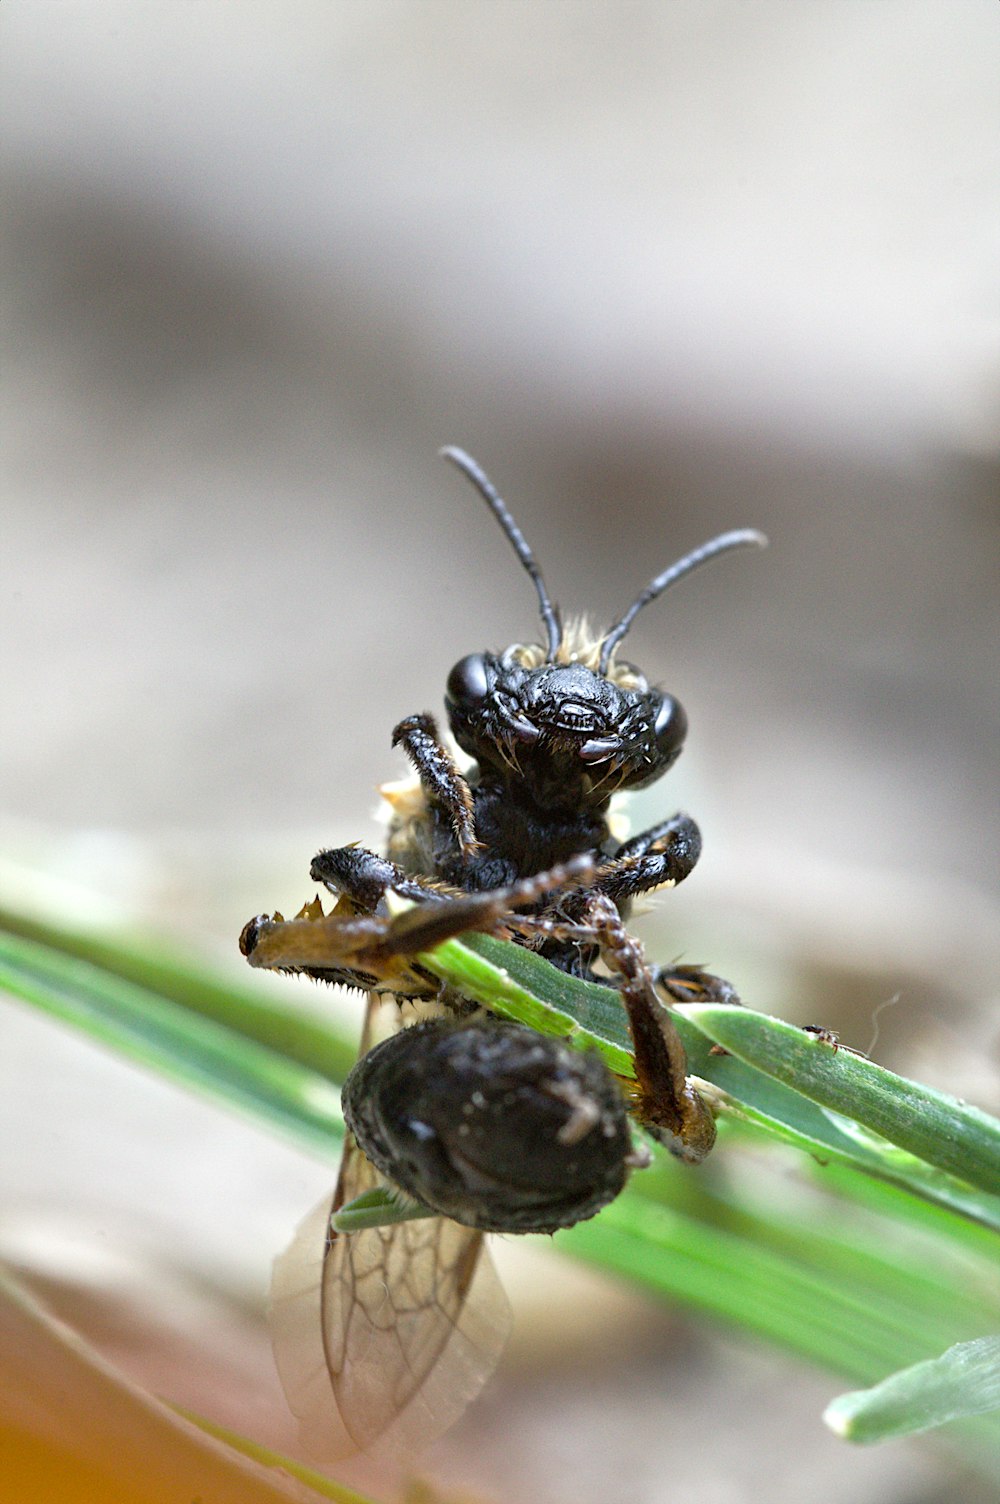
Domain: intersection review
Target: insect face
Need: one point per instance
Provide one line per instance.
(566, 732)
(501, 1128)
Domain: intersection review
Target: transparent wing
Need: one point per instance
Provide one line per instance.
(383, 1337)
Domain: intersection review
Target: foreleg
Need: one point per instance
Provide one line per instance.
(364, 877)
(440, 779)
(663, 855)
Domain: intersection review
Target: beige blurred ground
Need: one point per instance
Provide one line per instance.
(665, 269)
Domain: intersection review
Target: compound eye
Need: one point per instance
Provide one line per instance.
(468, 682)
(669, 728)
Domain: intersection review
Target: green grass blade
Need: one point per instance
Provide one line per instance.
(323, 1487)
(821, 1308)
(881, 1255)
(522, 985)
(962, 1382)
(174, 1040)
(293, 1033)
(734, 1276)
(829, 1137)
(379, 1207)
(950, 1135)
(902, 1206)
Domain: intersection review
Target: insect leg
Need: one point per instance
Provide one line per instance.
(426, 925)
(662, 835)
(440, 779)
(664, 854)
(666, 1103)
(365, 876)
(692, 984)
(373, 950)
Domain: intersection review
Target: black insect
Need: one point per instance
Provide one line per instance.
(486, 1123)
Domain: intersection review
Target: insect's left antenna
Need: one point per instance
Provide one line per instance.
(743, 537)
(489, 493)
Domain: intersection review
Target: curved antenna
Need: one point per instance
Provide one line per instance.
(489, 493)
(744, 537)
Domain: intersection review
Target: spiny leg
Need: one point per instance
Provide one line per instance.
(692, 984)
(429, 924)
(365, 877)
(664, 1101)
(668, 1105)
(440, 779)
(371, 949)
(659, 837)
(664, 854)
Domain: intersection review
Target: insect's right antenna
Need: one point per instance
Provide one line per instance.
(743, 537)
(488, 491)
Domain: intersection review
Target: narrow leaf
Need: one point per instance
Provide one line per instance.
(379, 1207)
(951, 1135)
(173, 1040)
(963, 1381)
(321, 1485)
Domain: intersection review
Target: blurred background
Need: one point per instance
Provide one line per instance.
(664, 269)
